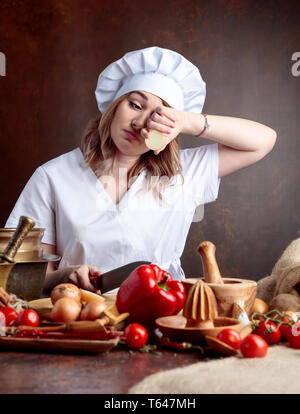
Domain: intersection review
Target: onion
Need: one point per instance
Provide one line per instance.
(93, 310)
(65, 290)
(260, 306)
(65, 310)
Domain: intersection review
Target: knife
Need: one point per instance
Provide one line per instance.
(113, 279)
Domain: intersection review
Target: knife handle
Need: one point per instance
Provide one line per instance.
(95, 281)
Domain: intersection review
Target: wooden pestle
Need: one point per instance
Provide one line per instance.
(210, 266)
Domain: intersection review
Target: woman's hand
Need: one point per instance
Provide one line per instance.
(83, 276)
(169, 121)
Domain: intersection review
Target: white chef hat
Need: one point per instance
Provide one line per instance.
(163, 72)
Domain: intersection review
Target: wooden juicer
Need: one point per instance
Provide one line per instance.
(232, 294)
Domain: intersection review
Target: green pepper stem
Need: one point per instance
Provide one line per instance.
(162, 283)
(165, 278)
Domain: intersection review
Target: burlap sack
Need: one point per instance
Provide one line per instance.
(281, 289)
(277, 373)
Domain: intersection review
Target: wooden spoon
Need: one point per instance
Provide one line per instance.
(207, 251)
(222, 348)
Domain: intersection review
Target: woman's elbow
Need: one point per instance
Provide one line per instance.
(270, 141)
(274, 136)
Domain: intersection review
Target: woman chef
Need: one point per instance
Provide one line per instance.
(115, 201)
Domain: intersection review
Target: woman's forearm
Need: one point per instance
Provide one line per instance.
(56, 277)
(238, 133)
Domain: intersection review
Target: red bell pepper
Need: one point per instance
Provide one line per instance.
(148, 293)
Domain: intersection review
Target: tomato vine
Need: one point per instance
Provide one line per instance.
(278, 319)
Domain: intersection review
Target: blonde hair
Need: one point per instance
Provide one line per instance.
(99, 152)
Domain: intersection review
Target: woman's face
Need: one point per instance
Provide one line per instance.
(135, 109)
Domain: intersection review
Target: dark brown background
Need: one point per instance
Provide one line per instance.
(56, 49)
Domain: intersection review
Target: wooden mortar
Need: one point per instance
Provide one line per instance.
(227, 291)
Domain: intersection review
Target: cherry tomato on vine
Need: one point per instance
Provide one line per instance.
(136, 336)
(269, 331)
(10, 314)
(254, 346)
(284, 330)
(230, 337)
(293, 335)
(28, 317)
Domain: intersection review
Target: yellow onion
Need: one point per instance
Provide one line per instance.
(260, 306)
(65, 290)
(65, 310)
(92, 311)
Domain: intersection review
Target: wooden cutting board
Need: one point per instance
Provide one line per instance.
(44, 306)
(57, 345)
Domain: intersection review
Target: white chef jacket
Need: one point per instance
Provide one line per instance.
(64, 197)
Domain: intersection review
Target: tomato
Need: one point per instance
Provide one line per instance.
(28, 317)
(230, 337)
(293, 335)
(290, 317)
(254, 346)
(10, 314)
(136, 336)
(284, 330)
(269, 331)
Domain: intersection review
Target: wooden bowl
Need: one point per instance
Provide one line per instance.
(228, 293)
(174, 327)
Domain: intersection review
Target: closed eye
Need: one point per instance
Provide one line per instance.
(135, 106)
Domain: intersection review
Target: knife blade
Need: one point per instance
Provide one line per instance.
(113, 279)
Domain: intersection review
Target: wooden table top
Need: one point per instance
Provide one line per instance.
(108, 373)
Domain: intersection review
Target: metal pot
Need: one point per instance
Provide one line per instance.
(24, 273)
